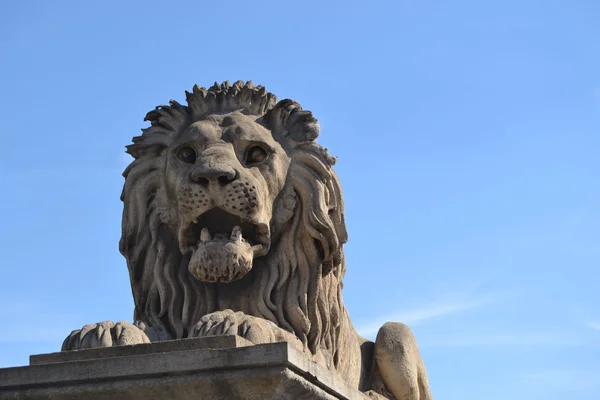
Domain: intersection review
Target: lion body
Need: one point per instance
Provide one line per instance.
(233, 222)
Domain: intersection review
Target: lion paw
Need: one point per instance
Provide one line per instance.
(104, 334)
(217, 323)
(227, 322)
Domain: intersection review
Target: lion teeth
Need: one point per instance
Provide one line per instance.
(204, 235)
(236, 233)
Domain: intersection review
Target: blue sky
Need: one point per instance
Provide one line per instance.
(467, 133)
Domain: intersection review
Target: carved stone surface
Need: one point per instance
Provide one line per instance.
(233, 224)
(210, 342)
(180, 369)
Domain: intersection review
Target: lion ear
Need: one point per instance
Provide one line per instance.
(289, 120)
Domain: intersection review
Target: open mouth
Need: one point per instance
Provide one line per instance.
(218, 225)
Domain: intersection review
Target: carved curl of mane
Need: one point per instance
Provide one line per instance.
(304, 267)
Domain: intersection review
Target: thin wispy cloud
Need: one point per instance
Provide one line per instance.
(583, 317)
(469, 296)
(595, 325)
(515, 339)
(422, 314)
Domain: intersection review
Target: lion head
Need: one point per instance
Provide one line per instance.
(231, 204)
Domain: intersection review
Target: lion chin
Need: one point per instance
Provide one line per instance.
(222, 246)
(233, 224)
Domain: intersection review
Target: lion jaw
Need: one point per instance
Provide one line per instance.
(222, 245)
(221, 260)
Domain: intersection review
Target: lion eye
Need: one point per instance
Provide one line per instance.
(256, 154)
(187, 155)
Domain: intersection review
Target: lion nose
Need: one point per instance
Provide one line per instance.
(220, 174)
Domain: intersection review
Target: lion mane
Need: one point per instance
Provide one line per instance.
(297, 285)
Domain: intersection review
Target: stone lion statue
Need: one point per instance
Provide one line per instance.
(233, 223)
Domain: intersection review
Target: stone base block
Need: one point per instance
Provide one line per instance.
(224, 367)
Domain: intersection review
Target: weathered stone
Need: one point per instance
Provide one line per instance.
(165, 371)
(233, 224)
(211, 342)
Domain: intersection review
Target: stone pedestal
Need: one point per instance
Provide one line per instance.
(224, 367)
